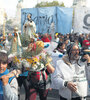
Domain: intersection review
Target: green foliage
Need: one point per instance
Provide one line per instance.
(31, 53)
(50, 4)
(25, 40)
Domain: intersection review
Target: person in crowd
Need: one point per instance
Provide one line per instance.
(61, 48)
(71, 37)
(38, 81)
(16, 46)
(67, 42)
(68, 35)
(70, 76)
(8, 86)
(85, 42)
(1, 43)
(86, 46)
(87, 36)
(45, 38)
(56, 38)
(77, 42)
(81, 38)
(29, 28)
(61, 40)
(22, 80)
(57, 53)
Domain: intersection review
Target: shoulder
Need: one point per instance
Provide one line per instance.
(60, 62)
(14, 86)
(14, 82)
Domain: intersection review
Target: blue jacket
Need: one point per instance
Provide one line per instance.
(1, 84)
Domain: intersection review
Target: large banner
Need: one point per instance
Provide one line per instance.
(82, 20)
(47, 16)
(49, 19)
(64, 19)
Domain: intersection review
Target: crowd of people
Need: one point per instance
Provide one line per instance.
(69, 73)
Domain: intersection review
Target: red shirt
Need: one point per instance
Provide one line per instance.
(45, 39)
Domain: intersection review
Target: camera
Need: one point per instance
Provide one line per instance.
(82, 53)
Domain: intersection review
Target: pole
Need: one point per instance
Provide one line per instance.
(4, 20)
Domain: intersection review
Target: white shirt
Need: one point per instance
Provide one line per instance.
(64, 73)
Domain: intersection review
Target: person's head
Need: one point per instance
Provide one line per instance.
(73, 51)
(66, 41)
(61, 39)
(56, 35)
(76, 41)
(15, 29)
(45, 35)
(61, 47)
(15, 34)
(29, 16)
(3, 61)
(87, 36)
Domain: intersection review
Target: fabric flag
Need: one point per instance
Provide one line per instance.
(82, 20)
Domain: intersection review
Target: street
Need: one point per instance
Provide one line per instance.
(52, 95)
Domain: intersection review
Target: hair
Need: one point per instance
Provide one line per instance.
(29, 14)
(3, 58)
(15, 34)
(59, 45)
(69, 48)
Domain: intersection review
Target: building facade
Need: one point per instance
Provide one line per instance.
(78, 3)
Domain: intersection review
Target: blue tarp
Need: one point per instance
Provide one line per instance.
(45, 16)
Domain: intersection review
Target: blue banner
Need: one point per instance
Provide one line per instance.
(44, 17)
(25, 12)
(64, 20)
(47, 15)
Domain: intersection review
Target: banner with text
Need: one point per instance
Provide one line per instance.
(82, 20)
(48, 19)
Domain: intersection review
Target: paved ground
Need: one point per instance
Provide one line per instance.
(53, 95)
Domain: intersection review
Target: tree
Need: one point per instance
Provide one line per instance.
(49, 4)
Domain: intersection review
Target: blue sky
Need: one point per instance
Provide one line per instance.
(10, 5)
